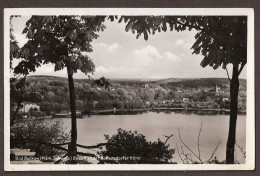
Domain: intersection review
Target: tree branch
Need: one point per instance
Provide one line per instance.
(228, 75)
(87, 154)
(241, 149)
(179, 153)
(90, 78)
(57, 146)
(188, 147)
(167, 138)
(56, 162)
(61, 144)
(95, 146)
(198, 142)
(20, 100)
(19, 75)
(15, 113)
(188, 25)
(241, 68)
(213, 153)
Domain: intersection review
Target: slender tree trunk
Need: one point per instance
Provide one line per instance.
(15, 113)
(19, 104)
(72, 153)
(234, 88)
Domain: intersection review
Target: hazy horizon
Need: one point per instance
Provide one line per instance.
(136, 78)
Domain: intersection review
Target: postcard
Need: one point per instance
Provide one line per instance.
(129, 89)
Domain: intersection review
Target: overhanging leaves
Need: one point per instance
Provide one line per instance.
(60, 40)
(225, 36)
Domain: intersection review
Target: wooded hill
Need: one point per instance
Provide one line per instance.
(51, 93)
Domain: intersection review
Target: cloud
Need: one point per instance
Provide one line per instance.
(187, 45)
(48, 69)
(171, 57)
(109, 71)
(179, 42)
(183, 55)
(111, 47)
(147, 55)
(20, 38)
(101, 69)
(184, 43)
(102, 45)
(151, 54)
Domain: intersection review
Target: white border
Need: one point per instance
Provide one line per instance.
(250, 120)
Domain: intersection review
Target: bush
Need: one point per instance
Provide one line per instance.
(33, 135)
(133, 148)
(57, 83)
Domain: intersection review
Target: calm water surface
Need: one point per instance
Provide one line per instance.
(155, 125)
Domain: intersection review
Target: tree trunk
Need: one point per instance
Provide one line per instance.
(15, 113)
(19, 104)
(72, 148)
(234, 88)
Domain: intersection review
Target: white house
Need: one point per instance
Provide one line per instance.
(27, 106)
(147, 103)
(225, 99)
(95, 103)
(146, 86)
(178, 91)
(185, 100)
(217, 89)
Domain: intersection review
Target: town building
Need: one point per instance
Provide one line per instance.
(225, 99)
(95, 104)
(147, 103)
(217, 89)
(185, 100)
(27, 106)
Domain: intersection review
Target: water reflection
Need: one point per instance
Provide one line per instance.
(156, 124)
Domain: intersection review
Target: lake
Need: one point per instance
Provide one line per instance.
(155, 125)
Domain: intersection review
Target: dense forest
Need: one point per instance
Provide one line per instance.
(52, 94)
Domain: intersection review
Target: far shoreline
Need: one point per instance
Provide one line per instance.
(122, 111)
(140, 111)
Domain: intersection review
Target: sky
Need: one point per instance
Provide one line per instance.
(118, 54)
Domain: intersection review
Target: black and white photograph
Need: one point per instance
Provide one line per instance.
(129, 89)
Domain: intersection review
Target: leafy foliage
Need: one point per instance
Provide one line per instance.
(14, 48)
(131, 144)
(130, 94)
(222, 40)
(102, 82)
(33, 135)
(17, 88)
(60, 40)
